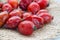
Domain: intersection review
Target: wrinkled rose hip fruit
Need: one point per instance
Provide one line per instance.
(7, 7)
(38, 21)
(26, 14)
(12, 22)
(42, 11)
(26, 27)
(1, 4)
(3, 17)
(24, 3)
(13, 3)
(33, 7)
(16, 12)
(47, 17)
(43, 3)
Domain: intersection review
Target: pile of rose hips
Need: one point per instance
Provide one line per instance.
(26, 16)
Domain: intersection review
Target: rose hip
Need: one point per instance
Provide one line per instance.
(26, 14)
(16, 12)
(1, 4)
(33, 7)
(38, 21)
(3, 17)
(24, 3)
(12, 22)
(42, 11)
(43, 3)
(7, 7)
(13, 3)
(47, 17)
(26, 27)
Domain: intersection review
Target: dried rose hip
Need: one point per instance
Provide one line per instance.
(42, 11)
(24, 3)
(1, 4)
(47, 17)
(16, 12)
(12, 22)
(13, 3)
(43, 3)
(26, 27)
(38, 21)
(26, 14)
(33, 7)
(3, 17)
(7, 7)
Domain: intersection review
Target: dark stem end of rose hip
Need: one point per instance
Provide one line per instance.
(48, 5)
(35, 28)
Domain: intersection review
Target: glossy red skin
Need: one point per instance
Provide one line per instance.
(43, 3)
(16, 12)
(3, 17)
(26, 27)
(12, 22)
(26, 14)
(24, 4)
(7, 7)
(38, 21)
(47, 17)
(42, 11)
(1, 4)
(33, 7)
(13, 3)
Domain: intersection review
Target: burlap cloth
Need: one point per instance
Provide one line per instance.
(51, 30)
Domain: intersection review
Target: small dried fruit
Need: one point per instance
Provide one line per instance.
(7, 7)
(12, 22)
(33, 7)
(26, 27)
(3, 17)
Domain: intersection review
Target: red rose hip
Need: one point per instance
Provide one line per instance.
(26, 14)
(42, 11)
(1, 4)
(24, 4)
(13, 3)
(26, 27)
(16, 12)
(3, 17)
(33, 7)
(38, 21)
(12, 22)
(43, 3)
(47, 17)
(7, 7)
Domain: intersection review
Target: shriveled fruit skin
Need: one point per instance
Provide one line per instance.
(26, 14)
(42, 11)
(43, 3)
(13, 3)
(26, 27)
(38, 21)
(3, 17)
(7, 7)
(24, 4)
(1, 4)
(47, 17)
(33, 7)
(12, 22)
(16, 12)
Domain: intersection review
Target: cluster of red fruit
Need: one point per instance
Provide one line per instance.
(27, 16)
